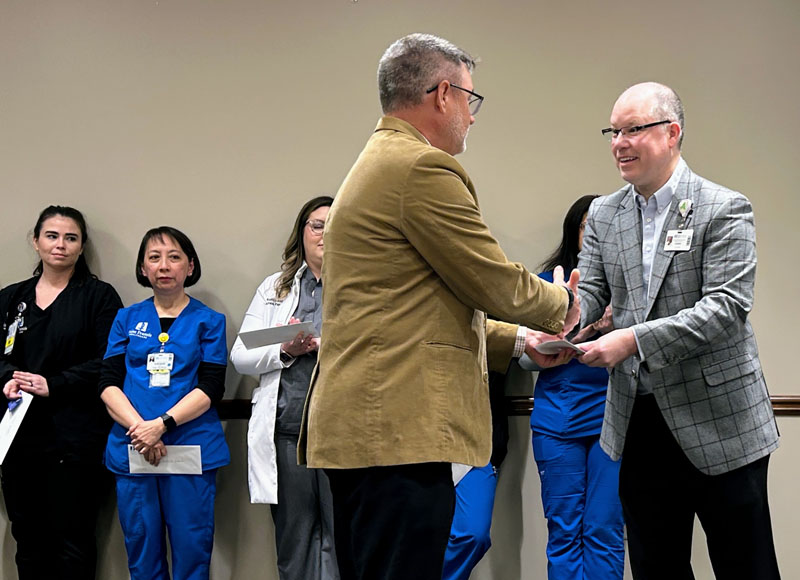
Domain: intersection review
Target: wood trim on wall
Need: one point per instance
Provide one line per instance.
(518, 406)
(782, 405)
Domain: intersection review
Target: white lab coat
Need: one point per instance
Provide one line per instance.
(265, 310)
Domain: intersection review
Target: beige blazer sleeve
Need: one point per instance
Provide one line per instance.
(447, 229)
(500, 340)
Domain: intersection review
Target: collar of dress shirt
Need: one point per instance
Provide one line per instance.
(664, 195)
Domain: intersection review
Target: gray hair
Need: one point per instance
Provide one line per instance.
(414, 63)
(668, 105)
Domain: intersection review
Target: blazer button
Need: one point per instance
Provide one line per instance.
(633, 373)
(485, 377)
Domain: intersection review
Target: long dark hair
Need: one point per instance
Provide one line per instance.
(566, 255)
(183, 242)
(82, 271)
(294, 253)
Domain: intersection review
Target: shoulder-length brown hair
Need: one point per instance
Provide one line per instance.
(294, 254)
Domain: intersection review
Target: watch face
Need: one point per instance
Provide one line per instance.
(169, 422)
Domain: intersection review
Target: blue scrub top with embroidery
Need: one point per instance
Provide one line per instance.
(196, 335)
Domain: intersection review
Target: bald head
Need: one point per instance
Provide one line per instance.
(660, 101)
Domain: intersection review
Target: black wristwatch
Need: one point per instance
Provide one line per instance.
(169, 422)
(571, 297)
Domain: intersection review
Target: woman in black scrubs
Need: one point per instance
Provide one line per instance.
(55, 327)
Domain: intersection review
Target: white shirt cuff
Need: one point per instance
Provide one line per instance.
(519, 343)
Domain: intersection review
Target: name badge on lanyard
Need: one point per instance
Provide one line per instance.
(159, 364)
(11, 337)
(13, 328)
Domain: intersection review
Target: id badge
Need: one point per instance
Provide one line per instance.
(11, 337)
(159, 379)
(678, 240)
(159, 365)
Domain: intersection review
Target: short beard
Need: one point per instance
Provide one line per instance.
(453, 131)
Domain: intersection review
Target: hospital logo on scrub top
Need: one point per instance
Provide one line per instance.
(140, 330)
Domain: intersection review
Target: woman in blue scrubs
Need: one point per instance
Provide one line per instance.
(164, 370)
(579, 481)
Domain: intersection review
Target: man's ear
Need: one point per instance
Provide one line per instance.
(675, 132)
(442, 94)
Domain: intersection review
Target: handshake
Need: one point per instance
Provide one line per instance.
(611, 348)
(574, 312)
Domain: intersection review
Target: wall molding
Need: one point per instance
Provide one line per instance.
(518, 406)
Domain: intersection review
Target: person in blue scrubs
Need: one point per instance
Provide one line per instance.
(579, 481)
(164, 370)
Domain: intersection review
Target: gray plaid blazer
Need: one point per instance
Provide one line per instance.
(698, 346)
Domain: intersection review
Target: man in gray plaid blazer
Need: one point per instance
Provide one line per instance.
(687, 407)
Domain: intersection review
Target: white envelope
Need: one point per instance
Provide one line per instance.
(556, 346)
(11, 422)
(276, 334)
(179, 460)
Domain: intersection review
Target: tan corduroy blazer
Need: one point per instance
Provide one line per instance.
(410, 269)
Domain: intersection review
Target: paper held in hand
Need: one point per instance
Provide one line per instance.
(276, 334)
(11, 422)
(556, 346)
(179, 460)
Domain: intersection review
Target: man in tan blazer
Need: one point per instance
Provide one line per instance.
(401, 388)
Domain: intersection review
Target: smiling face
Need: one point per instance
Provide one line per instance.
(59, 243)
(166, 265)
(647, 159)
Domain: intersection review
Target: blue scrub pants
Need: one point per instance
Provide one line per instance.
(580, 496)
(185, 504)
(472, 522)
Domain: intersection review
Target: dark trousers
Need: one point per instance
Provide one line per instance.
(392, 523)
(661, 492)
(53, 510)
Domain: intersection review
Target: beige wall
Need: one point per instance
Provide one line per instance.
(222, 118)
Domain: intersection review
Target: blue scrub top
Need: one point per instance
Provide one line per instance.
(197, 335)
(569, 400)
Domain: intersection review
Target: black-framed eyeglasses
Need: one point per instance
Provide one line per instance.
(612, 133)
(317, 227)
(475, 100)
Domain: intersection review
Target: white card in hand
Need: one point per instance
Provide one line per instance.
(11, 422)
(179, 460)
(556, 346)
(276, 334)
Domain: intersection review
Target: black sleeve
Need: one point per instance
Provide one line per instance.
(6, 367)
(211, 380)
(73, 381)
(112, 373)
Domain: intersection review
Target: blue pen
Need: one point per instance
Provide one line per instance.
(14, 404)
